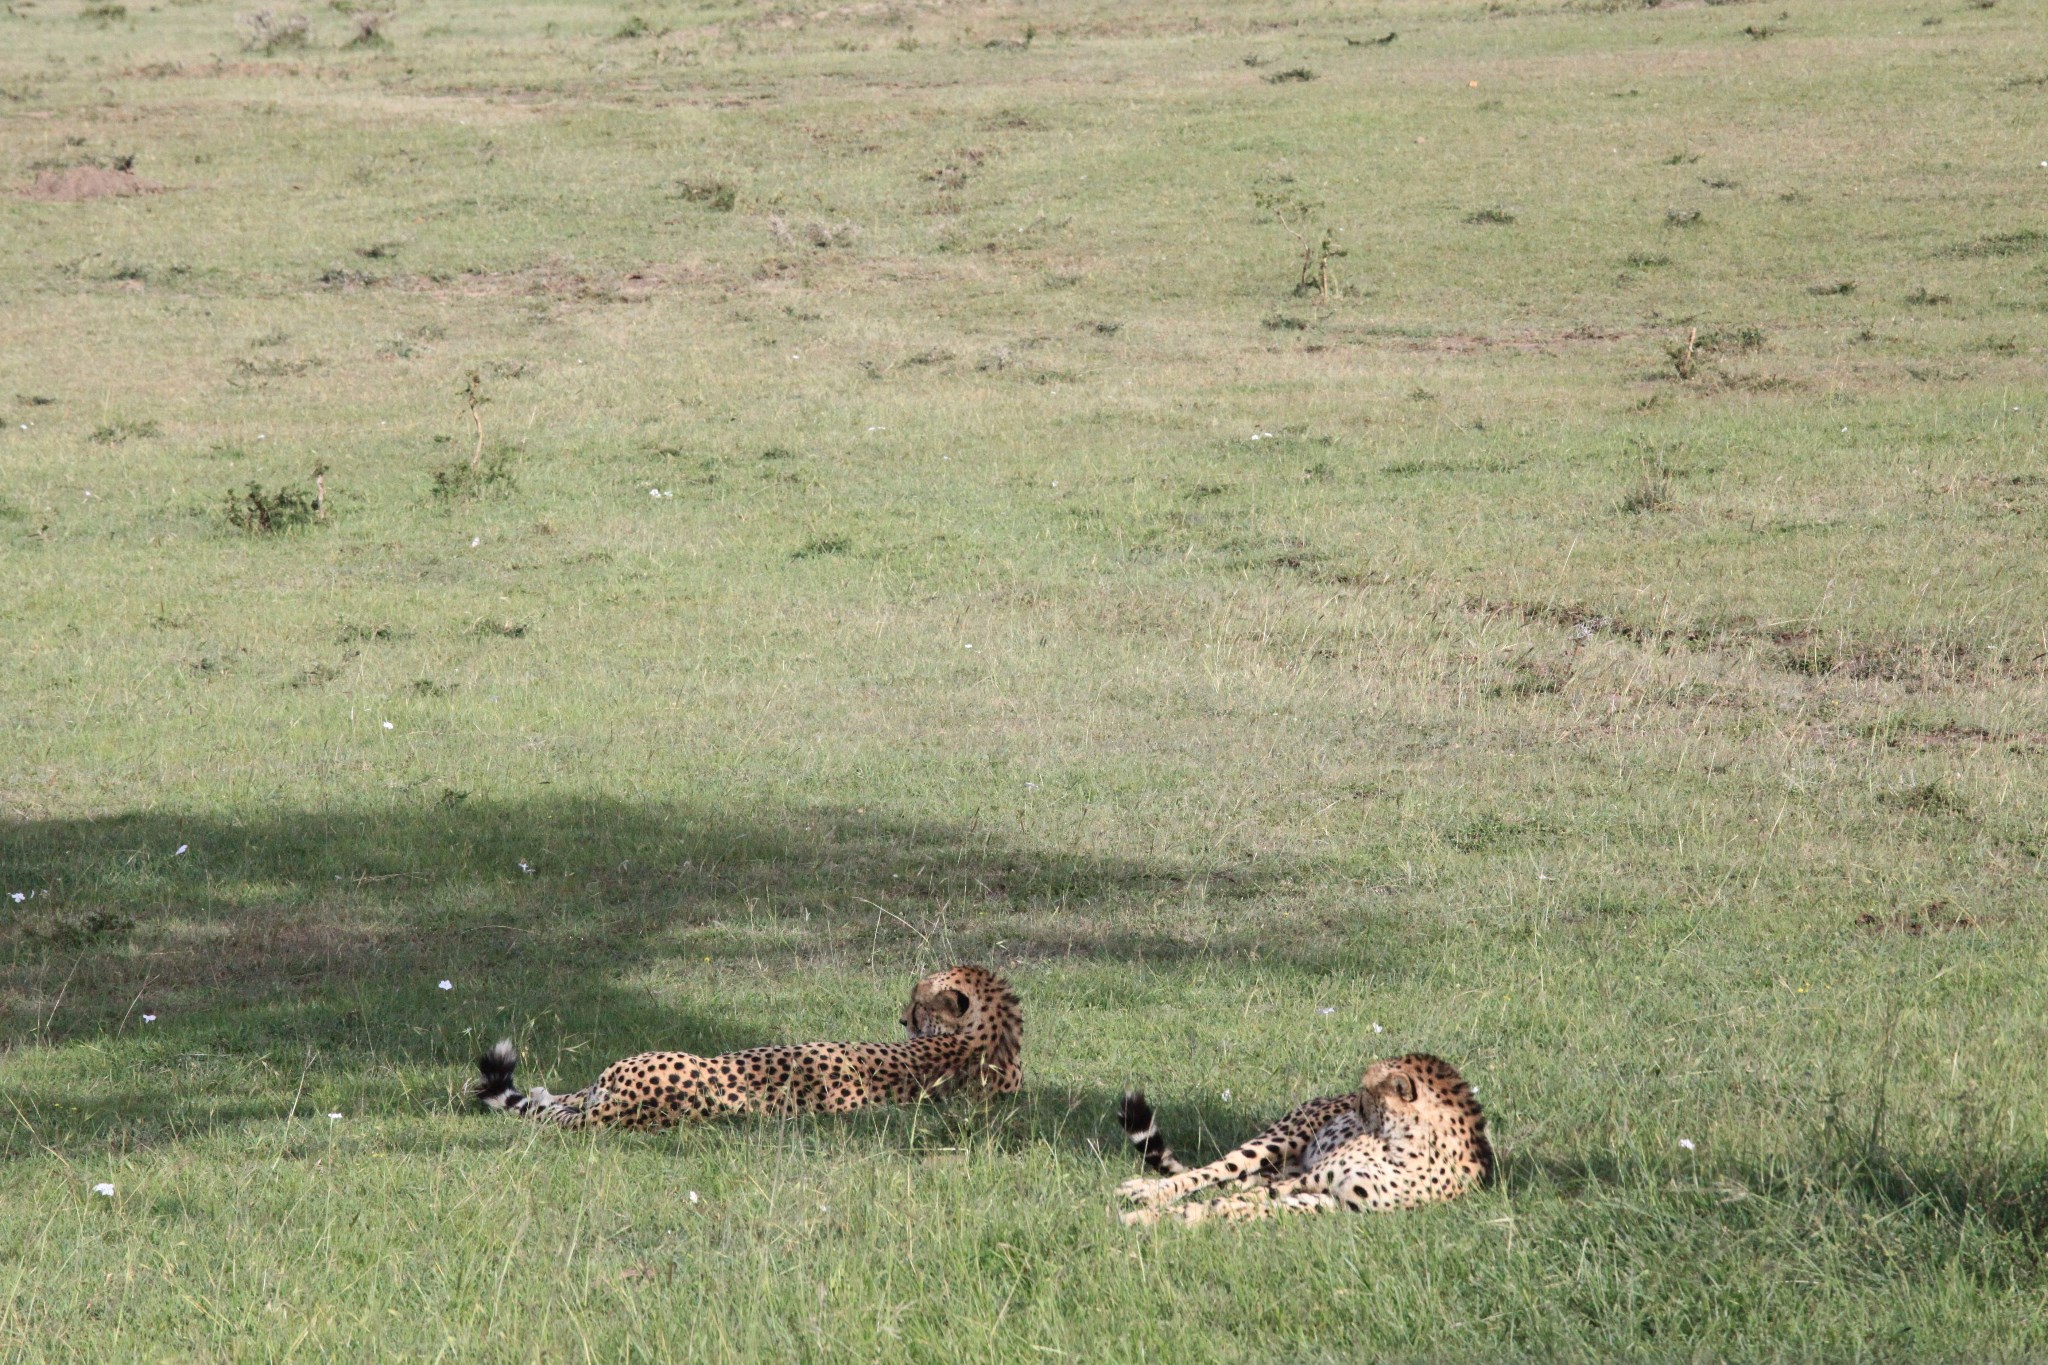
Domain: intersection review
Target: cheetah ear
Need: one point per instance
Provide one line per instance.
(1400, 1087)
(955, 1001)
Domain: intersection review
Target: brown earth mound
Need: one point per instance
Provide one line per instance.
(87, 182)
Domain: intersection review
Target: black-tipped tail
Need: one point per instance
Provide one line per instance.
(494, 1088)
(1143, 1130)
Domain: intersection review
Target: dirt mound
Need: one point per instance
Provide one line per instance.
(86, 182)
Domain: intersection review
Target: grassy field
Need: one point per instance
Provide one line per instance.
(1526, 540)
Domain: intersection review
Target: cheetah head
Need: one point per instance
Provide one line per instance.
(1423, 1094)
(951, 1001)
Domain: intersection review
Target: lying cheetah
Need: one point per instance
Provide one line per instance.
(965, 1031)
(1412, 1134)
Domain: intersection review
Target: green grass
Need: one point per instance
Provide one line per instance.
(905, 512)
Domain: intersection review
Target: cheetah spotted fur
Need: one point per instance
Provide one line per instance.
(965, 1033)
(1411, 1134)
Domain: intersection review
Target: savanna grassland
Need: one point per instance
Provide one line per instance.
(1297, 531)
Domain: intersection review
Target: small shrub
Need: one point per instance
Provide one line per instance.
(1296, 215)
(269, 32)
(634, 27)
(370, 29)
(474, 478)
(263, 513)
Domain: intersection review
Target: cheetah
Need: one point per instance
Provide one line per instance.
(965, 1033)
(1411, 1134)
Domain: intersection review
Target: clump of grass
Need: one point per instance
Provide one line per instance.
(2001, 244)
(499, 630)
(716, 195)
(1645, 260)
(269, 32)
(1924, 298)
(1926, 798)
(474, 478)
(1292, 75)
(1529, 677)
(1685, 355)
(104, 14)
(1683, 218)
(1494, 216)
(1832, 289)
(114, 433)
(821, 546)
(636, 26)
(1281, 322)
(1654, 492)
(260, 512)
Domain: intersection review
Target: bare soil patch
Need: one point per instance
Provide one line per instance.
(77, 183)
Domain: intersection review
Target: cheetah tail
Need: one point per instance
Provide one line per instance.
(1143, 1130)
(494, 1088)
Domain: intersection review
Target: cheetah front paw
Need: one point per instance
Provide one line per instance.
(1141, 1218)
(1140, 1189)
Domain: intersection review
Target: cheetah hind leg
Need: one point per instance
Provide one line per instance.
(1285, 1196)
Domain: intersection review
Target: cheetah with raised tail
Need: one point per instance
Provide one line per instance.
(965, 1033)
(1411, 1134)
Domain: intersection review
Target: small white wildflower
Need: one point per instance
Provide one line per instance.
(1377, 1029)
(149, 1018)
(388, 725)
(475, 541)
(1226, 1097)
(693, 1196)
(1687, 1143)
(654, 492)
(103, 1190)
(524, 867)
(181, 850)
(332, 1117)
(1327, 1009)
(446, 985)
(17, 896)
(2045, 163)
(970, 646)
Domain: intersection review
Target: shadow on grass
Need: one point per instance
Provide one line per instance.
(2006, 1193)
(260, 941)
